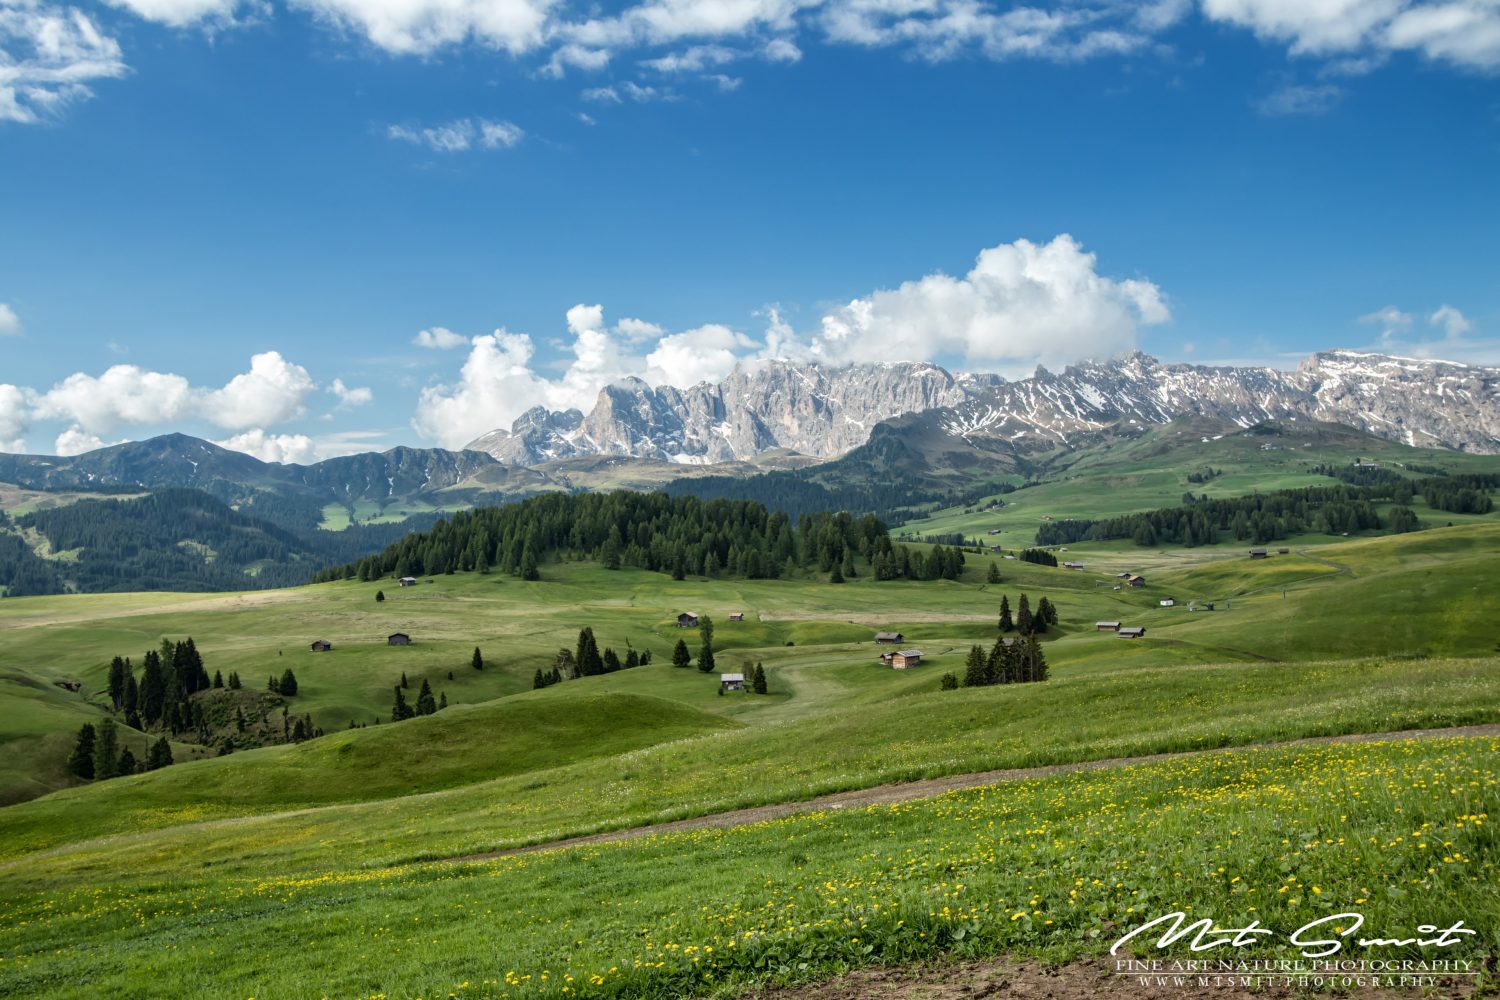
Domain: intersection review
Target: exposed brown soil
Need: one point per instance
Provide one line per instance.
(908, 790)
(1096, 979)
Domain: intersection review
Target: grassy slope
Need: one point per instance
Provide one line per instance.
(1151, 472)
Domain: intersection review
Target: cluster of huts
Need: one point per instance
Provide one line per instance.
(394, 639)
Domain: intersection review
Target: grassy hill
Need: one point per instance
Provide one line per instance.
(316, 867)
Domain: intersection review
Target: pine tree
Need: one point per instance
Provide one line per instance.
(948, 682)
(590, 663)
(993, 576)
(611, 661)
(477, 661)
(131, 700)
(288, 683)
(426, 704)
(528, 564)
(403, 680)
(107, 751)
(117, 682)
(379, 596)
(1037, 661)
(234, 680)
(81, 760)
(218, 679)
(239, 719)
(632, 659)
(758, 683)
(1024, 623)
(837, 576)
(1006, 625)
(158, 755)
(680, 655)
(538, 681)
(1045, 615)
(127, 763)
(401, 710)
(645, 657)
(706, 651)
(976, 668)
(299, 731)
(848, 566)
(443, 700)
(153, 689)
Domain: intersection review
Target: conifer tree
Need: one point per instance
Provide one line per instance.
(632, 659)
(81, 760)
(538, 681)
(1037, 661)
(528, 564)
(1006, 624)
(477, 661)
(837, 576)
(239, 719)
(611, 660)
(1048, 611)
(948, 682)
(299, 731)
(758, 684)
(117, 682)
(645, 657)
(153, 689)
(158, 755)
(288, 683)
(426, 704)
(127, 763)
(131, 700)
(680, 655)
(1024, 624)
(847, 568)
(234, 680)
(379, 596)
(107, 750)
(706, 651)
(403, 680)
(401, 710)
(590, 663)
(443, 700)
(976, 668)
(218, 679)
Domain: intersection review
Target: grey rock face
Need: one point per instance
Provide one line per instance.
(824, 412)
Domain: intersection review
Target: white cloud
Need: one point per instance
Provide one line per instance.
(288, 449)
(1392, 322)
(124, 394)
(602, 95)
(706, 354)
(272, 391)
(637, 330)
(421, 27)
(1465, 33)
(460, 135)
(76, 441)
(586, 118)
(782, 50)
(1022, 301)
(578, 56)
(495, 386)
(15, 410)
(1298, 99)
(49, 55)
(439, 339)
(10, 323)
(349, 397)
(180, 13)
(692, 60)
(1454, 323)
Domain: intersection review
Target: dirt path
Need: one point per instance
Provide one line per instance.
(908, 790)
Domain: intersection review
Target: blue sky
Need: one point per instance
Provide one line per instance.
(328, 225)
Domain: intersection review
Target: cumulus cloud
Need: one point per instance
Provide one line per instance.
(49, 55)
(439, 339)
(1022, 301)
(495, 386)
(460, 135)
(180, 13)
(706, 354)
(350, 397)
(10, 323)
(288, 449)
(1399, 335)
(1392, 321)
(273, 391)
(124, 394)
(76, 441)
(15, 418)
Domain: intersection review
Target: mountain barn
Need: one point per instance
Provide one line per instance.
(398, 639)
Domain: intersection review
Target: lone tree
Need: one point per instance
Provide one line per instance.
(948, 682)
(682, 658)
(107, 751)
(288, 683)
(993, 576)
(81, 760)
(1006, 624)
(379, 595)
(477, 662)
(758, 683)
(706, 651)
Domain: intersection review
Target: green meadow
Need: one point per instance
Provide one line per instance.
(317, 868)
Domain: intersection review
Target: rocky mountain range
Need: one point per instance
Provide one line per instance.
(825, 412)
